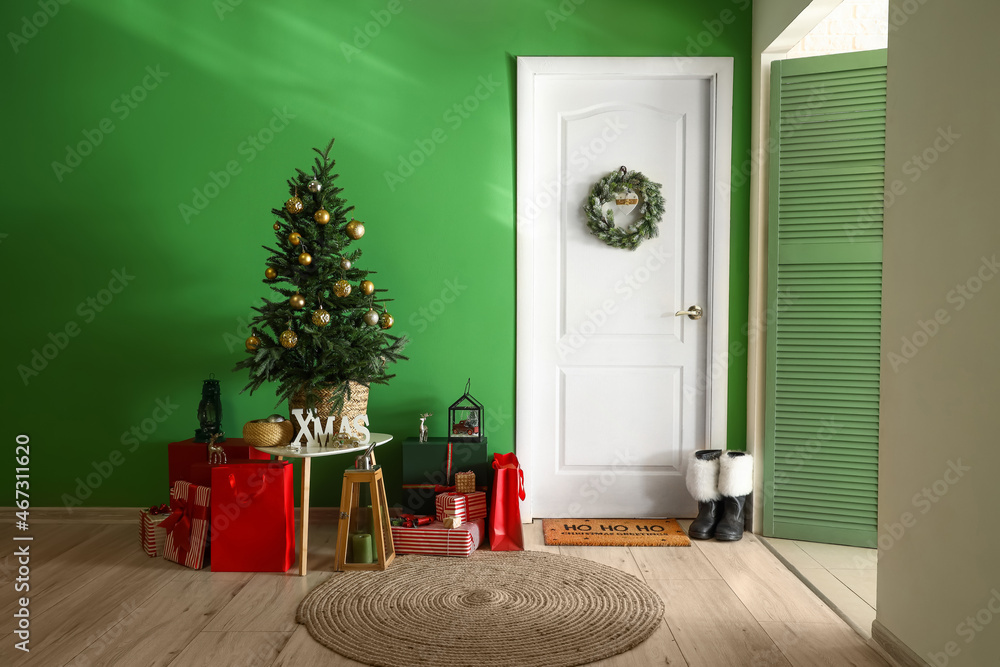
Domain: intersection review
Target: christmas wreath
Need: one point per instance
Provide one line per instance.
(622, 187)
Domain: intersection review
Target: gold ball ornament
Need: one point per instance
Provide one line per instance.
(386, 321)
(355, 229)
(253, 343)
(294, 205)
(305, 259)
(320, 317)
(288, 339)
(322, 216)
(295, 238)
(270, 273)
(277, 226)
(345, 264)
(367, 287)
(342, 288)
(371, 317)
(297, 301)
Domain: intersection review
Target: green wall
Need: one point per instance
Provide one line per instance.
(164, 95)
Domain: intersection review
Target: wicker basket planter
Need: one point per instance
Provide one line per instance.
(355, 405)
(262, 433)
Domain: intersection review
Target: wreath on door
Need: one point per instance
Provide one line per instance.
(624, 188)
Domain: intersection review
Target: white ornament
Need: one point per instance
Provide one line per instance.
(621, 204)
(315, 431)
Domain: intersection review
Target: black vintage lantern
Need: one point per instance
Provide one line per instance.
(210, 412)
(465, 418)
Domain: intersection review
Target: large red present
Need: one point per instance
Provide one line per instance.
(152, 535)
(465, 506)
(183, 456)
(187, 525)
(436, 540)
(253, 517)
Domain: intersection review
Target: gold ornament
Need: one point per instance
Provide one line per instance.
(270, 273)
(297, 300)
(386, 321)
(320, 317)
(305, 259)
(295, 238)
(342, 288)
(288, 339)
(294, 205)
(322, 216)
(345, 264)
(277, 226)
(355, 229)
(253, 343)
(315, 186)
(371, 317)
(367, 287)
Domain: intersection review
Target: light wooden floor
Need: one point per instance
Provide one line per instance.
(96, 599)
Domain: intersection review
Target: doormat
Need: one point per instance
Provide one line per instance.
(615, 532)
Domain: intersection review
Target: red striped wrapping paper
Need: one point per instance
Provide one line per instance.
(466, 506)
(436, 540)
(151, 535)
(193, 500)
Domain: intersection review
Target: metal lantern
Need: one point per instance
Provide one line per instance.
(465, 418)
(210, 412)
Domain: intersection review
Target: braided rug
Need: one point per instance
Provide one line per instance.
(503, 609)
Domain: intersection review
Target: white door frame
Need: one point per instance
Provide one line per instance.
(719, 73)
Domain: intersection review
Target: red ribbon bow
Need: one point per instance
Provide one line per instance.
(162, 509)
(179, 523)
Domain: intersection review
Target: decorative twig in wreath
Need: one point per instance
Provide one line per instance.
(622, 187)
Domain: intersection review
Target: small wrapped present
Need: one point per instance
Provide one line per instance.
(465, 482)
(187, 525)
(152, 535)
(466, 506)
(436, 540)
(451, 522)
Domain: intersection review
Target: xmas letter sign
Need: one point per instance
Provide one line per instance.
(313, 431)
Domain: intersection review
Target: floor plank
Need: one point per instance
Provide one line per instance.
(847, 601)
(837, 557)
(266, 603)
(534, 538)
(793, 553)
(247, 649)
(713, 627)
(163, 625)
(304, 651)
(619, 558)
(659, 649)
(768, 589)
(862, 582)
(822, 645)
(673, 563)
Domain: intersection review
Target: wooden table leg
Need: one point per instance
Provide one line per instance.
(304, 525)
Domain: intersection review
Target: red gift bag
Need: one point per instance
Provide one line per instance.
(253, 519)
(505, 512)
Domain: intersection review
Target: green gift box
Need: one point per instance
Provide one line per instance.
(431, 464)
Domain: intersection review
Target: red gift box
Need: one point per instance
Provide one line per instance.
(182, 458)
(187, 525)
(465, 506)
(436, 540)
(253, 517)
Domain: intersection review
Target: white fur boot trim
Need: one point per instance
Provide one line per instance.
(703, 479)
(735, 474)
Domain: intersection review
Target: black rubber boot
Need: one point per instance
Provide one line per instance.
(735, 484)
(703, 485)
(730, 528)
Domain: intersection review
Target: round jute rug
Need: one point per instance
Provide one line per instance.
(516, 609)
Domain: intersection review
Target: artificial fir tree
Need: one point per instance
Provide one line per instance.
(327, 327)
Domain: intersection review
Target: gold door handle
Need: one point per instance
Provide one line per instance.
(694, 312)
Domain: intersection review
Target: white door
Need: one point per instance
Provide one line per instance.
(614, 389)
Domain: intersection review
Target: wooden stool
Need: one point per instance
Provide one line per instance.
(350, 512)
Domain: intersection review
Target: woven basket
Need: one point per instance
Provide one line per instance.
(355, 405)
(262, 433)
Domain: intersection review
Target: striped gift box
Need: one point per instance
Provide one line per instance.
(151, 534)
(436, 540)
(466, 506)
(187, 525)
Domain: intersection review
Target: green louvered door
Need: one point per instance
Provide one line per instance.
(824, 297)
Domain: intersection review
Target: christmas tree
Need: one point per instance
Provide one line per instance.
(325, 335)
